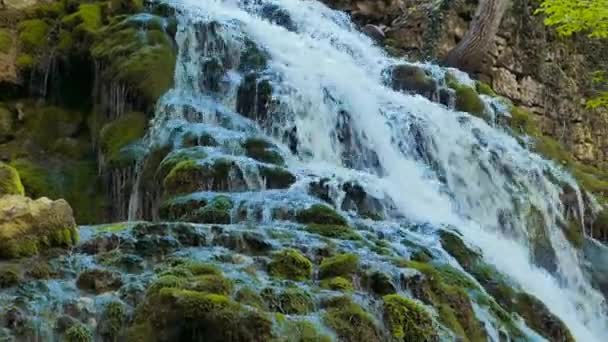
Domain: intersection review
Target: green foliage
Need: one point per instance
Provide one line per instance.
(290, 264)
(88, 18)
(573, 16)
(79, 333)
(6, 41)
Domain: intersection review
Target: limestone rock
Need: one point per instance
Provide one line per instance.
(29, 226)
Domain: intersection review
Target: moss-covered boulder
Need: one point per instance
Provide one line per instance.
(291, 301)
(467, 100)
(407, 320)
(277, 177)
(351, 322)
(175, 314)
(320, 214)
(290, 264)
(341, 265)
(99, 281)
(262, 150)
(28, 227)
(414, 79)
(79, 332)
(333, 231)
(190, 176)
(216, 211)
(337, 284)
(10, 182)
(140, 55)
(116, 135)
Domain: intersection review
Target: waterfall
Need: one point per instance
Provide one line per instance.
(333, 115)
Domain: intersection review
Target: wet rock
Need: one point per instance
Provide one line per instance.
(292, 301)
(358, 200)
(414, 79)
(278, 16)
(254, 97)
(596, 255)
(290, 264)
(9, 276)
(100, 244)
(244, 242)
(321, 189)
(64, 322)
(99, 281)
(212, 74)
(277, 177)
(379, 283)
(28, 227)
(374, 32)
(15, 319)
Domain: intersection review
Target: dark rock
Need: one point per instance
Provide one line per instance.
(243, 242)
(278, 16)
(99, 281)
(358, 200)
(380, 283)
(413, 79)
(374, 32)
(15, 319)
(254, 97)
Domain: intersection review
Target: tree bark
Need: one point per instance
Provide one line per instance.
(470, 51)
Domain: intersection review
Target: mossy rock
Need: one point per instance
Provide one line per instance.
(338, 284)
(341, 265)
(9, 276)
(262, 150)
(484, 89)
(99, 281)
(6, 41)
(178, 156)
(7, 123)
(139, 57)
(79, 333)
(211, 283)
(118, 134)
(467, 100)
(10, 182)
(87, 19)
(46, 124)
(413, 78)
(333, 231)
(249, 296)
(277, 177)
(301, 331)
(40, 270)
(35, 225)
(291, 301)
(114, 319)
(125, 6)
(351, 322)
(179, 314)
(190, 176)
(216, 211)
(320, 214)
(407, 320)
(290, 264)
(379, 283)
(33, 35)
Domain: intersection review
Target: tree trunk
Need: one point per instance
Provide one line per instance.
(470, 51)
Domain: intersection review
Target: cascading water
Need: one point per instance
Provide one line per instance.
(331, 106)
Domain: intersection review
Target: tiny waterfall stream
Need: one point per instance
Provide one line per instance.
(434, 165)
(300, 80)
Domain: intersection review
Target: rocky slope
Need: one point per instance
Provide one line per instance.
(131, 111)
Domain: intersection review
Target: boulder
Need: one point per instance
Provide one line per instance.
(28, 226)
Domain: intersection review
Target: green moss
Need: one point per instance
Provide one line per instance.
(6, 41)
(522, 121)
(119, 133)
(216, 211)
(114, 318)
(333, 231)
(407, 320)
(248, 296)
(143, 60)
(379, 283)
(277, 177)
(211, 283)
(262, 150)
(126, 6)
(79, 333)
(189, 176)
(291, 301)
(188, 315)
(24, 61)
(9, 276)
(88, 18)
(341, 265)
(10, 182)
(33, 34)
(337, 284)
(178, 156)
(352, 323)
(467, 100)
(320, 214)
(300, 331)
(290, 264)
(484, 88)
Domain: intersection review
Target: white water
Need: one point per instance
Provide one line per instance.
(485, 172)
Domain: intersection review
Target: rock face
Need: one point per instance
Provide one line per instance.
(28, 226)
(527, 63)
